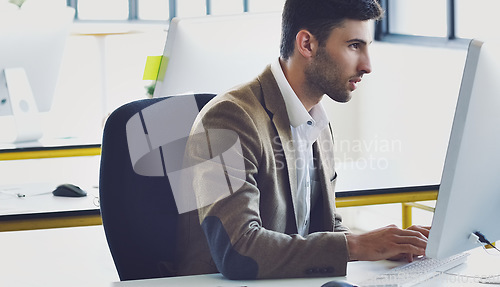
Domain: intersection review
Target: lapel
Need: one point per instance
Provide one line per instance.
(324, 165)
(275, 105)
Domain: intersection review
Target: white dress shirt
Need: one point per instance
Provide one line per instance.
(306, 127)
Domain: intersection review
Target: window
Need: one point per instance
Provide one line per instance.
(221, 7)
(437, 22)
(478, 18)
(265, 5)
(164, 10)
(103, 10)
(190, 8)
(153, 10)
(407, 17)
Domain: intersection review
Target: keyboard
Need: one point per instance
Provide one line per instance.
(416, 272)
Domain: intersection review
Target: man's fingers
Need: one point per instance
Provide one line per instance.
(413, 233)
(416, 242)
(424, 230)
(388, 242)
(413, 249)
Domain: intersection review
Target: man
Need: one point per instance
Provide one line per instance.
(281, 221)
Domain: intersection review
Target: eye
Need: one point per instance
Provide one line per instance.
(354, 46)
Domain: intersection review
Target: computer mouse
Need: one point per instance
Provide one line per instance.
(337, 284)
(69, 190)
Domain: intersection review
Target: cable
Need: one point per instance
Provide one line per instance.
(479, 238)
(483, 239)
(22, 195)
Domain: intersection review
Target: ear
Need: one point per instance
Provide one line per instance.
(306, 44)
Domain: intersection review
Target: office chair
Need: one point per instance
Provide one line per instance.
(138, 212)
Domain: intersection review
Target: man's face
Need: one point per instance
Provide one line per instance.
(339, 65)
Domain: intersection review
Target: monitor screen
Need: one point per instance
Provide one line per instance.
(31, 50)
(212, 54)
(469, 194)
(35, 42)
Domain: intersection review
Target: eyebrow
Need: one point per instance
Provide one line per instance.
(358, 41)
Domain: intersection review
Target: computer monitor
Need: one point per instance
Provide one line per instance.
(211, 54)
(31, 51)
(469, 194)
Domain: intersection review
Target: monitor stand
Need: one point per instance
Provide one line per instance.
(19, 116)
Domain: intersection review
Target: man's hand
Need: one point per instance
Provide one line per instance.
(389, 242)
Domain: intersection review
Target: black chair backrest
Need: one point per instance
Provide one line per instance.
(139, 213)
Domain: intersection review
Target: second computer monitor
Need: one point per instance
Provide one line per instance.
(212, 54)
(35, 42)
(31, 52)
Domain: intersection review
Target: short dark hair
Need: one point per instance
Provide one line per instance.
(320, 16)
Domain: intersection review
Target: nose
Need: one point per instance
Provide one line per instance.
(365, 65)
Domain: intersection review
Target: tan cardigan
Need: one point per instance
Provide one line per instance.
(252, 233)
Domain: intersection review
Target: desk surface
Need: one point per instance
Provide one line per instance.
(478, 264)
(77, 256)
(37, 178)
(34, 180)
(37, 198)
(51, 143)
(37, 208)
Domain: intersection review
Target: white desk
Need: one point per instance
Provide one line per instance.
(33, 173)
(77, 256)
(37, 198)
(44, 210)
(478, 263)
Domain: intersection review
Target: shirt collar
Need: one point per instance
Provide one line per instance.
(297, 113)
